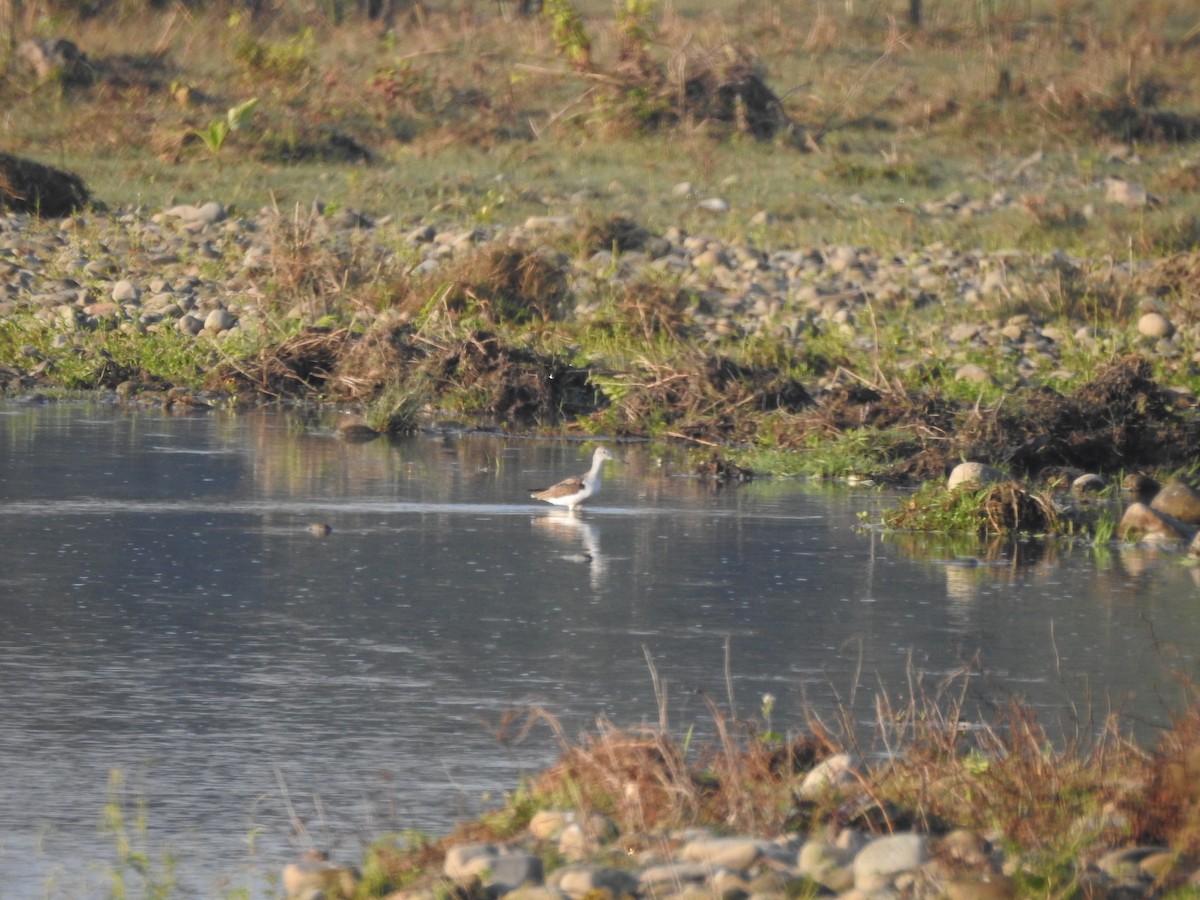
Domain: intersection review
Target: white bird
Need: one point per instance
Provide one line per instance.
(570, 492)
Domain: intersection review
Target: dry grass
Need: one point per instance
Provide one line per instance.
(943, 759)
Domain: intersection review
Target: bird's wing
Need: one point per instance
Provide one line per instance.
(567, 486)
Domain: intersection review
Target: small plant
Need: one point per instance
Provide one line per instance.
(1103, 529)
(218, 130)
(768, 706)
(634, 29)
(570, 38)
(396, 409)
(288, 60)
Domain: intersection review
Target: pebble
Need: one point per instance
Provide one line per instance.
(698, 864)
(1155, 325)
(973, 373)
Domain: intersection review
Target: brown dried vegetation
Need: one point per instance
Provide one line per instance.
(945, 758)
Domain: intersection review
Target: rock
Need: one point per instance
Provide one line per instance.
(315, 876)
(55, 58)
(734, 853)
(831, 772)
(714, 205)
(1179, 500)
(1088, 484)
(509, 870)
(190, 324)
(219, 320)
(579, 881)
(878, 863)
(124, 291)
(468, 860)
(1155, 325)
(539, 892)
(674, 873)
(973, 373)
(973, 475)
(1141, 487)
(1142, 523)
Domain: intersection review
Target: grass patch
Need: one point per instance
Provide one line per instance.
(1005, 508)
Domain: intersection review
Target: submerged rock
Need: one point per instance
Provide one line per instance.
(1143, 523)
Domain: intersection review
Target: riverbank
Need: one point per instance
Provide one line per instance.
(831, 361)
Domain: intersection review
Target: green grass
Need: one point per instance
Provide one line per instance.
(900, 117)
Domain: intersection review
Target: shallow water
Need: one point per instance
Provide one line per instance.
(165, 612)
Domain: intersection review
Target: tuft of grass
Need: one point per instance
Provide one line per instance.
(136, 871)
(396, 409)
(1005, 508)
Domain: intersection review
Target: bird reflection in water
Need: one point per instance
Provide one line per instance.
(581, 536)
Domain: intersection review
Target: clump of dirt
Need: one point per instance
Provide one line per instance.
(725, 87)
(1010, 507)
(506, 284)
(510, 384)
(709, 401)
(31, 187)
(516, 385)
(1119, 420)
(298, 367)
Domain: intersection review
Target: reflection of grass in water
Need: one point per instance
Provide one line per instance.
(136, 871)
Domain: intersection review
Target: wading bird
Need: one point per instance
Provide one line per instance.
(570, 492)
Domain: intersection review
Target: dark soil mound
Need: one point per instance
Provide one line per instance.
(30, 187)
(1119, 420)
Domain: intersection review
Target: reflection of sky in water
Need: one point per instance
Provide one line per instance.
(165, 610)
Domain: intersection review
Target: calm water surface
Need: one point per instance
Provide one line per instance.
(164, 612)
